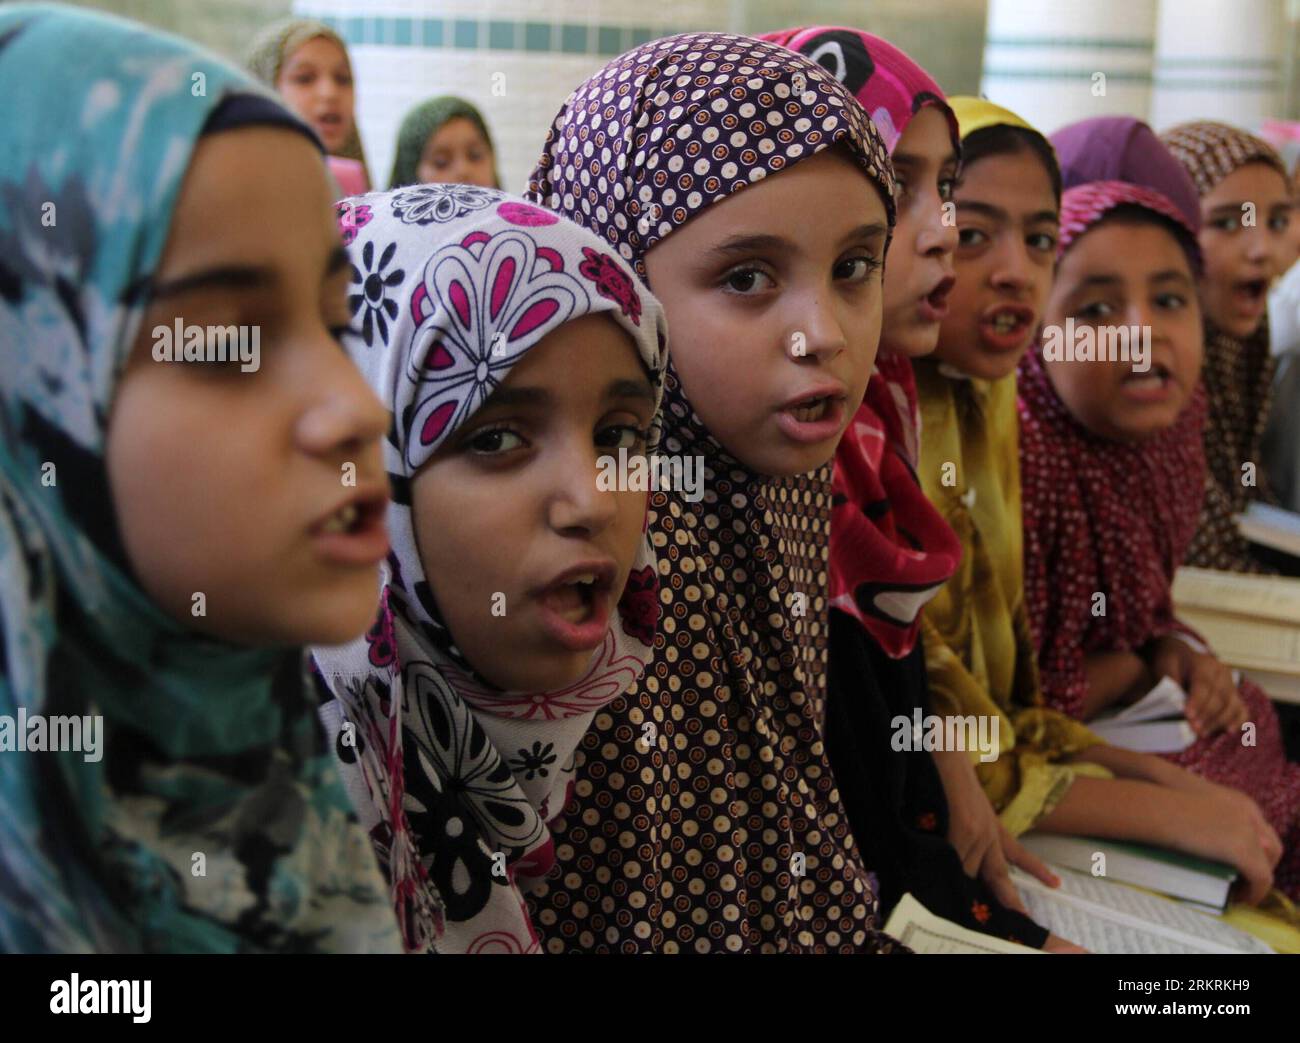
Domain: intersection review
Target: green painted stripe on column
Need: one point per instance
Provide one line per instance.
(1101, 42)
(1120, 75)
(1174, 62)
(469, 34)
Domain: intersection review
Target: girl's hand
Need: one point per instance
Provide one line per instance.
(981, 841)
(1215, 822)
(1213, 703)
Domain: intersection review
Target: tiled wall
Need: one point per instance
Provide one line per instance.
(519, 61)
(516, 61)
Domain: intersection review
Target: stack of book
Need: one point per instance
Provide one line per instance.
(1251, 622)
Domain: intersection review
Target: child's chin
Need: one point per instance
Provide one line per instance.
(543, 671)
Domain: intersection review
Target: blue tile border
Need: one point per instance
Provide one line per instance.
(467, 34)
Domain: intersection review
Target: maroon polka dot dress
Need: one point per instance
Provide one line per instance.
(1116, 518)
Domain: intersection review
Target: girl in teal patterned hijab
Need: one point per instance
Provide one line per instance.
(172, 531)
(444, 139)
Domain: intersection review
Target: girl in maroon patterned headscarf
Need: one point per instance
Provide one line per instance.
(706, 816)
(1112, 467)
(1246, 208)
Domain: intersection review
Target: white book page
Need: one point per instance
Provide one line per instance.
(1166, 699)
(1108, 917)
(923, 932)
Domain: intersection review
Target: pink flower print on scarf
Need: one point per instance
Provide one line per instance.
(611, 282)
(500, 290)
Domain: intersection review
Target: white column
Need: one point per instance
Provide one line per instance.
(1055, 63)
(1219, 59)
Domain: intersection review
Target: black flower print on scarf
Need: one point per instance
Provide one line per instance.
(427, 204)
(373, 299)
(535, 761)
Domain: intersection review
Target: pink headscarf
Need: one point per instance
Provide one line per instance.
(886, 81)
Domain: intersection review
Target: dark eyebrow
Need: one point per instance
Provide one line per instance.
(747, 244)
(1170, 274)
(505, 397)
(234, 277)
(996, 213)
(639, 389)
(993, 213)
(911, 159)
(220, 277)
(876, 229)
(1099, 280)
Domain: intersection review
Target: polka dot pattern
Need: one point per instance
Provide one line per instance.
(1238, 374)
(705, 817)
(1116, 519)
(672, 127)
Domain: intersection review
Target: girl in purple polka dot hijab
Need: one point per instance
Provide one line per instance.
(516, 353)
(752, 191)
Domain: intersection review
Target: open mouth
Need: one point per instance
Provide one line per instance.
(1007, 326)
(575, 598)
(1252, 291)
(1157, 378)
(811, 410)
(329, 123)
(575, 606)
(347, 518)
(934, 305)
(1005, 322)
(355, 533)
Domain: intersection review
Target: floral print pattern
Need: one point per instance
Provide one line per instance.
(438, 204)
(485, 277)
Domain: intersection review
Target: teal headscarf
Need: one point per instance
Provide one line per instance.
(214, 821)
(420, 124)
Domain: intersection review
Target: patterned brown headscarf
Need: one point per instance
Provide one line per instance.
(705, 816)
(1238, 374)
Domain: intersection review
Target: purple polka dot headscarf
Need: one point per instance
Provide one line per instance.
(736, 690)
(673, 127)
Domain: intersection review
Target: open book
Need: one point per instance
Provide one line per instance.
(1109, 917)
(1251, 622)
(1153, 724)
(923, 932)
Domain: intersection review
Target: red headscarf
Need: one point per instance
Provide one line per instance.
(891, 550)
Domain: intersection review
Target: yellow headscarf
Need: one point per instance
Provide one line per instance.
(979, 650)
